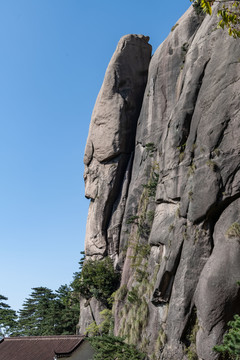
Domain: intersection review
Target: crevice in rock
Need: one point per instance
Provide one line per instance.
(191, 327)
(173, 201)
(221, 135)
(216, 211)
(116, 204)
(89, 304)
(114, 192)
(162, 293)
(186, 124)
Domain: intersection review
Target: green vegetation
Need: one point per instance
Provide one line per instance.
(182, 153)
(182, 147)
(44, 313)
(191, 336)
(190, 195)
(96, 276)
(105, 327)
(134, 314)
(234, 231)
(150, 216)
(97, 279)
(197, 7)
(109, 347)
(174, 27)
(151, 185)
(150, 147)
(133, 219)
(161, 341)
(133, 296)
(8, 318)
(191, 169)
(121, 293)
(229, 14)
(210, 163)
(230, 347)
(171, 227)
(134, 300)
(49, 313)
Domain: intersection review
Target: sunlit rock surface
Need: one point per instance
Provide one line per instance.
(163, 176)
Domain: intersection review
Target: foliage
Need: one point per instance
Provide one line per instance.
(230, 347)
(67, 310)
(190, 336)
(97, 279)
(229, 15)
(174, 27)
(37, 315)
(77, 274)
(121, 293)
(151, 148)
(105, 327)
(132, 219)
(210, 163)
(109, 347)
(44, 312)
(150, 216)
(8, 318)
(49, 313)
(197, 7)
(133, 296)
(151, 185)
(234, 230)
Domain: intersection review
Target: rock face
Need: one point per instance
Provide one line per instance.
(163, 176)
(110, 143)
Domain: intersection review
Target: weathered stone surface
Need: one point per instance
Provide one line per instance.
(217, 295)
(113, 123)
(163, 214)
(111, 138)
(89, 313)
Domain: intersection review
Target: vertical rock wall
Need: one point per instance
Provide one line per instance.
(169, 219)
(109, 153)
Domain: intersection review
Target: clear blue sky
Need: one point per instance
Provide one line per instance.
(53, 56)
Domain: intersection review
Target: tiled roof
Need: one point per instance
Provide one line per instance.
(38, 347)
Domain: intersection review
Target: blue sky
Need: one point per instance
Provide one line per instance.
(53, 56)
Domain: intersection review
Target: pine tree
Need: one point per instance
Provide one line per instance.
(38, 315)
(110, 347)
(8, 318)
(49, 313)
(67, 310)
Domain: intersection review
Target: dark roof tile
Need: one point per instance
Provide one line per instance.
(38, 347)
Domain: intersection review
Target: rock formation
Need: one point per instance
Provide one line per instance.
(163, 175)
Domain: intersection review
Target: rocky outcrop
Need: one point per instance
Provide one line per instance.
(110, 144)
(163, 176)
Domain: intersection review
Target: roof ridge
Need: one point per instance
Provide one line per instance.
(50, 337)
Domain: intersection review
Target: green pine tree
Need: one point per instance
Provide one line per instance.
(49, 313)
(97, 279)
(67, 310)
(8, 318)
(38, 315)
(109, 347)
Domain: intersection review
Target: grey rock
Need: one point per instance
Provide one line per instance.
(118, 104)
(89, 312)
(218, 296)
(162, 208)
(111, 139)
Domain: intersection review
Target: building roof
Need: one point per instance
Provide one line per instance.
(38, 347)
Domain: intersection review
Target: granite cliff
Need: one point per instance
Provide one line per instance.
(162, 171)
